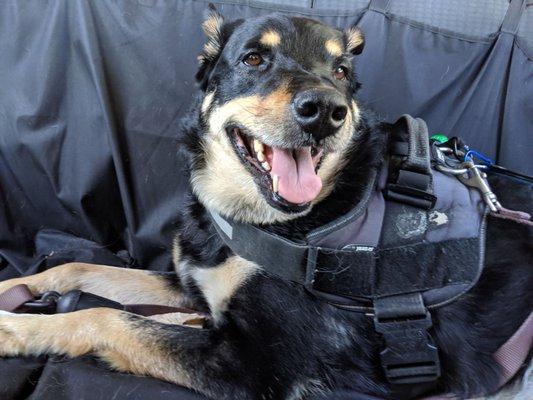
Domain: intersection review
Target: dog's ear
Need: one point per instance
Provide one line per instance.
(212, 27)
(354, 39)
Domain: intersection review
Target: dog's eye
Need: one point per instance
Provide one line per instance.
(253, 59)
(340, 73)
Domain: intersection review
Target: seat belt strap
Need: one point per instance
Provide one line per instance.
(15, 297)
(514, 352)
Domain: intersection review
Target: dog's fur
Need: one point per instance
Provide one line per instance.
(267, 338)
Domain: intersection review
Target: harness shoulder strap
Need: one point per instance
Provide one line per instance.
(410, 177)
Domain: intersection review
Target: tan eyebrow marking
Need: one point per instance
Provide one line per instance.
(334, 47)
(355, 38)
(270, 38)
(212, 25)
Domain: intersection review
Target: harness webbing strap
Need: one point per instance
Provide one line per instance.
(410, 355)
(274, 253)
(411, 170)
(376, 273)
(419, 155)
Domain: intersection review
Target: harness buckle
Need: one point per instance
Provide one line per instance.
(410, 355)
(411, 188)
(45, 304)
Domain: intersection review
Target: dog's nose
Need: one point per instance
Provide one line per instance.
(319, 112)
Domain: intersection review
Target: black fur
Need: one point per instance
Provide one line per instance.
(275, 337)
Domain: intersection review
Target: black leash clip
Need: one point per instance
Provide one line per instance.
(410, 355)
(74, 300)
(45, 304)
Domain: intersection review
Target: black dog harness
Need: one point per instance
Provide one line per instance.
(405, 249)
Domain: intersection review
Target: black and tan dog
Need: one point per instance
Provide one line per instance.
(274, 138)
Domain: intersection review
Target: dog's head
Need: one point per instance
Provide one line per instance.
(277, 115)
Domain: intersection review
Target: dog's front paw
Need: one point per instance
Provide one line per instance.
(13, 333)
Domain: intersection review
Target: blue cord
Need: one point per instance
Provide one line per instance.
(470, 154)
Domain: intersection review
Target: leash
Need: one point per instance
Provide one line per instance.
(511, 356)
(453, 157)
(19, 299)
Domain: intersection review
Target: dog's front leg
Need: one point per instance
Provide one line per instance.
(127, 342)
(119, 284)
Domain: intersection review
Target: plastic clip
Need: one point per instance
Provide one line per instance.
(46, 304)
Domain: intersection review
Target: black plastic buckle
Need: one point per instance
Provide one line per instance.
(411, 188)
(410, 355)
(46, 304)
(74, 300)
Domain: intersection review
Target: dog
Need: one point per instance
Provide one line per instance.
(275, 137)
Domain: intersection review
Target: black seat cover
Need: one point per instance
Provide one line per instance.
(91, 93)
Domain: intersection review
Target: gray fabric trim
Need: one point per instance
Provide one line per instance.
(274, 253)
(340, 4)
(452, 216)
(224, 226)
(475, 18)
(355, 213)
(285, 8)
(379, 5)
(525, 31)
(363, 230)
(512, 17)
(474, 21)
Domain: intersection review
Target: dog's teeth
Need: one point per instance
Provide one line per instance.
(258, 146)
(275, 183)
(260, 156)
(266, 165)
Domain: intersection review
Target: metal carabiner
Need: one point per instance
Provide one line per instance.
(451, 171)
(478, 179)
(444, 161)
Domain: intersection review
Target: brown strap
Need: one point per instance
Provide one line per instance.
(520, 217)
(514, 352)
(14, 297)
(511, 356)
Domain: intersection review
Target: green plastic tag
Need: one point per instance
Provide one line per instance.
(439, 138)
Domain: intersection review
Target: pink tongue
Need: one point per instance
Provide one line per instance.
(298, 182)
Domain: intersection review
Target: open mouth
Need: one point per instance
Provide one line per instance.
(287, 177)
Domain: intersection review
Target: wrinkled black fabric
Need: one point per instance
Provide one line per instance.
(81, 378)
(91, 93)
